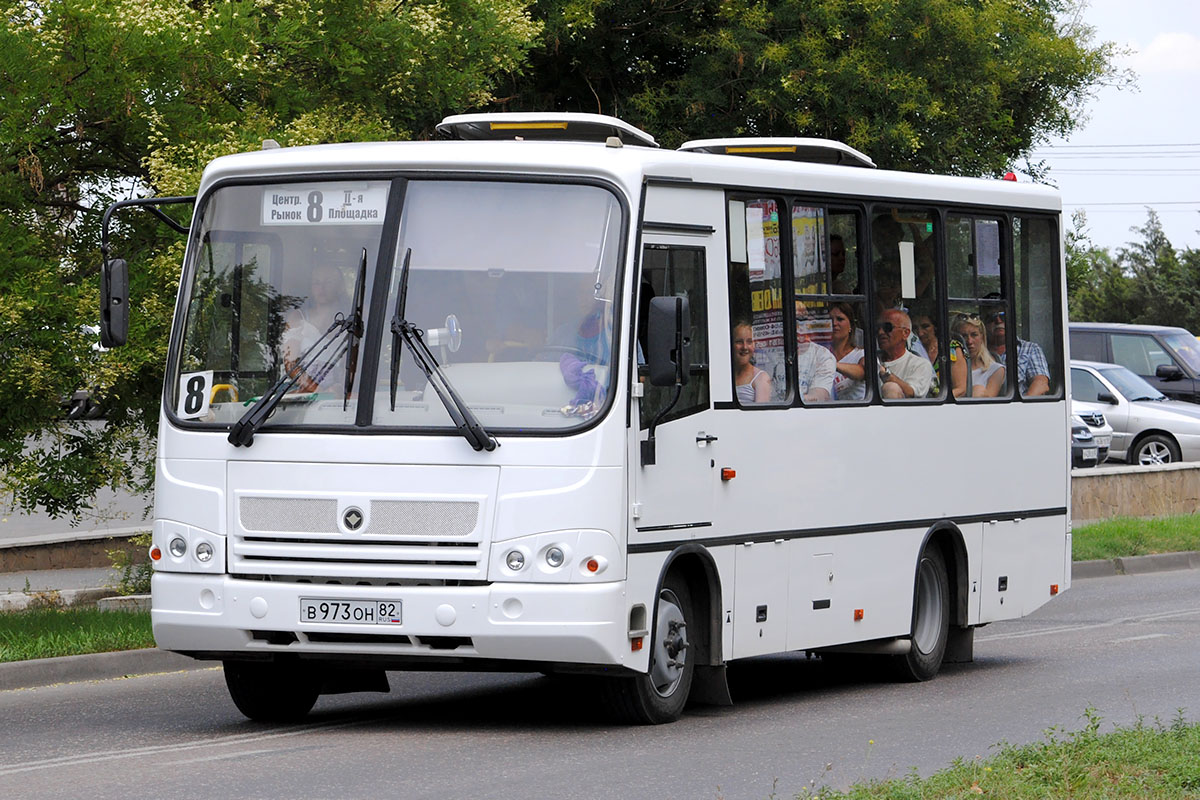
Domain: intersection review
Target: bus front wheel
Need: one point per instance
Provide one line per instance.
(931, 619)
(660, 695)
(272, 692)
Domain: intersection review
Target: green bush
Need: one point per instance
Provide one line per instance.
(135, 570)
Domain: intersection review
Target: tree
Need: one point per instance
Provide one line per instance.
(954, 86)
(103, 98)
(1165, 289)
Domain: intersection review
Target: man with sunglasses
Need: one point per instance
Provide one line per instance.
(1033, 371)
(903, 373)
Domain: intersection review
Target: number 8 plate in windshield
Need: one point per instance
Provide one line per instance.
(351, 612)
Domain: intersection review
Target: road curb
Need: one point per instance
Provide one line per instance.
(1135, 565)
(91, 667)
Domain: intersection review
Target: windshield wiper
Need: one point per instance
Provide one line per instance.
(463, 417)
(241, 434)
(355, 329)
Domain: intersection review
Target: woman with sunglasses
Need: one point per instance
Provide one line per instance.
(987, 374)
(927, 334)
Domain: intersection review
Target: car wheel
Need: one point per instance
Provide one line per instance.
(1155, 449)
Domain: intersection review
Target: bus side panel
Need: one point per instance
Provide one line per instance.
(836, 576)
(1022, 560)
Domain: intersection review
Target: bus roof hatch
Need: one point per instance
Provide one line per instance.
(817, 151)
(554, 126)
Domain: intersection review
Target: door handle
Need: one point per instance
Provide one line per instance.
(703, 439)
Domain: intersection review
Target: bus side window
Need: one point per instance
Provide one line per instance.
(1036, 289)
(756, 312)
(669, 270)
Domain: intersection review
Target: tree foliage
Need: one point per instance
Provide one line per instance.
(1147, 282)
(953, 86)
(100, 99)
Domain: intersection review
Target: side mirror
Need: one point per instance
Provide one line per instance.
(667, 339)
(1105, 397)
(114, 303)
(1168, 372)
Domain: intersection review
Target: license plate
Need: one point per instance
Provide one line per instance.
(1103, 441)
(353, 612)
(1090, 452)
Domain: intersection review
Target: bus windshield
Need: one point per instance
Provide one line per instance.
(510, 285)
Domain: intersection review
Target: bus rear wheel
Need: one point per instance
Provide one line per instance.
(272, 692)
(931, 619)
(660, 695)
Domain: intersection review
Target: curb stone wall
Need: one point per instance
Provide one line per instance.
(1134, 491)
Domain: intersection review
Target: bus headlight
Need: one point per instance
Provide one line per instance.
(571, 556)
(184, 548)
(515, 560)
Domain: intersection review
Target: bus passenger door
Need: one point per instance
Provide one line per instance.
(676, 491)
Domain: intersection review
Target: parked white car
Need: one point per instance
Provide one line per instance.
(1148, 428)
(1102, 432)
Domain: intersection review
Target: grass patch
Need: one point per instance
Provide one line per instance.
(1145, 761)
(1128, 536)
(49, 632)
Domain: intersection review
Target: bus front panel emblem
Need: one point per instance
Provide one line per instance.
(352, 518)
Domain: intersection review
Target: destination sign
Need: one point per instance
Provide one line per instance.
(325, 204)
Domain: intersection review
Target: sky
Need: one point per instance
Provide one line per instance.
(1140, 147)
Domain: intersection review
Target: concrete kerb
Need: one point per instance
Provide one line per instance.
(96, 666)
(1135, 565)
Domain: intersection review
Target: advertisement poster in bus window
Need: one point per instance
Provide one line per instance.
(808, 243)
(766, 293)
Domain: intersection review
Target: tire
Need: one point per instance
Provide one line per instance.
(660, 695)
(931, 619)
(270, 692)
(1155, 448)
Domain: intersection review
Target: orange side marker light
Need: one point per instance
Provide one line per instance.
(635, 644)
(728, 473)
(858, 615)
(155, 553)
(1053, 589)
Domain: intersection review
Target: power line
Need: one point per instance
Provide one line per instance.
(1125, 144)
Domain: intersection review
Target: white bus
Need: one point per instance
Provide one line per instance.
(542, 396)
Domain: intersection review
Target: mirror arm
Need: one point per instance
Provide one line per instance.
(648, 457)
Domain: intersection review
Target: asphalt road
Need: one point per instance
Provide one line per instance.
(1126, 646)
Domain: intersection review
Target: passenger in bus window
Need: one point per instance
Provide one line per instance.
(751, 384)
(903, 373)
(586, 347)
(1033, 371)
(850, 382)
(928, 335)
(326, 300)
(815, 365)
(843, 282)
(987, 374)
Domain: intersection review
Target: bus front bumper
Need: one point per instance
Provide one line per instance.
(223, 617)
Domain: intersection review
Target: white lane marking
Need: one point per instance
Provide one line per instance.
(135, 752)
(1140, 638)
(1090, 626)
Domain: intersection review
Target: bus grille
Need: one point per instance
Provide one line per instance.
(290, 538)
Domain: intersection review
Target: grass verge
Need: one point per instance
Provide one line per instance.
(1145, 761)
(1129, 536)
(49, 632)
